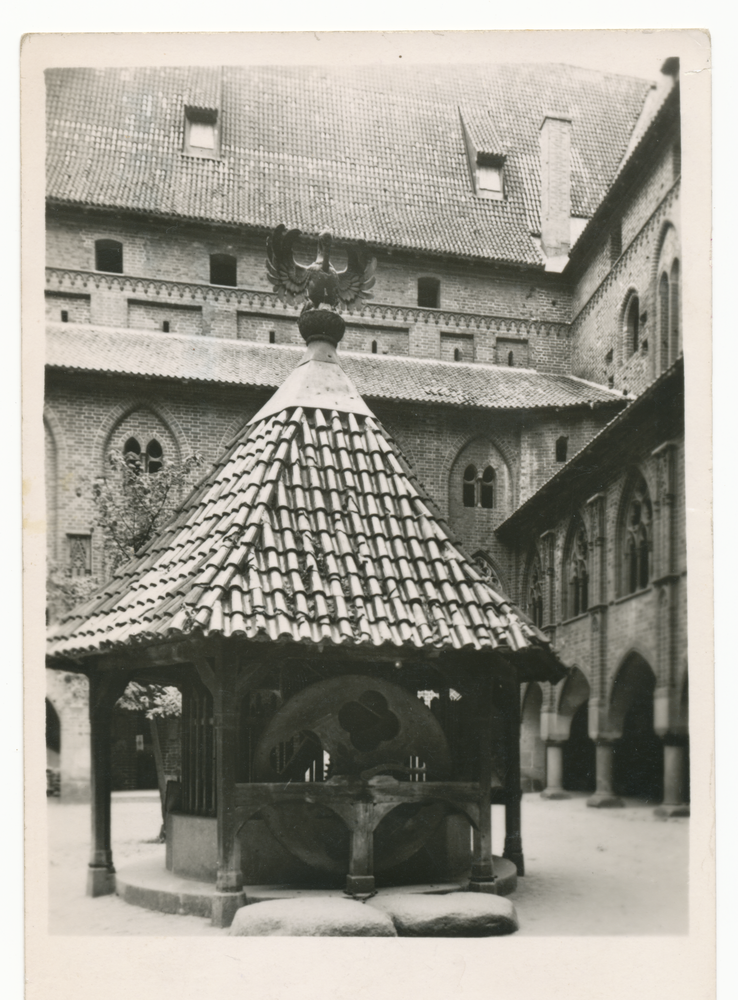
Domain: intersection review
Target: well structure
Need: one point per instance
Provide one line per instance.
(350, 682)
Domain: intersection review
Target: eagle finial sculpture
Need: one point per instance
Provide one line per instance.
(320, 283)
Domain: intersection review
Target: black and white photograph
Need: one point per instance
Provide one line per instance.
(366, 490)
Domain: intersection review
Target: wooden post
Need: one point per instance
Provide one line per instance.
(513, 850)
(219, 674)
(482, 871)
(360, 878)
(105, 689)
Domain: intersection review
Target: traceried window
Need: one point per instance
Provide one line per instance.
(534, 597)
(637, 538)
(150, 460)
(479, 490)
(488, 571)
(109, 256)
(80, 555)
(576, 570)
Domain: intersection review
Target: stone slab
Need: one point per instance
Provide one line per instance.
(312, 917)
(458, 914)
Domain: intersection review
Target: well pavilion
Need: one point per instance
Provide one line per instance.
(350, 680)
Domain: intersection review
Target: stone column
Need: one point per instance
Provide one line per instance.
(674, 779)
(604, 796)
(554, 772)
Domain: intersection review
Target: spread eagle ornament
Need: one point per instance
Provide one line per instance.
(320, 283)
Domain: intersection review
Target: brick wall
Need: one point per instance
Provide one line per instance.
(603, 350)
(182, 253)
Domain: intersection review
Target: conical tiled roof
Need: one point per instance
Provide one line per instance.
(310, 529)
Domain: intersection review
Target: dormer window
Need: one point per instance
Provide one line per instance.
(202, 132)
(489, 176)
(489, 179)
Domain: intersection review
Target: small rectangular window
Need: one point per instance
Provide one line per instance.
(165, 326)
(489, 179)
(429, 293)
(64, 316)
(202, 132)
(223, 269)
(109, 256)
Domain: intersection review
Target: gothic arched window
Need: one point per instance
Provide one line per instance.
(637, 538)
(469, 488)
(150, 460)
(631, 324)
(479, 490)
(674, 312)
(534, 597)
(576, 570)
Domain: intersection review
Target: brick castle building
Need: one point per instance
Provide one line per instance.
(523, 345)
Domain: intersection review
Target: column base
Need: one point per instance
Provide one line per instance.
(359, 885)
(100, 880)
(554, 793)
(517, 859)
(666, 811)
(483, 886)
(224, 907)
(605, 800)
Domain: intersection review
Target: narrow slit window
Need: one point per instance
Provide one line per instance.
(165, 326)
(429, 293)
(674, 312)
(223, 268)
(457, 354)
(469, 490)
(487, 488)
(632, 324)
(562, 445)
(64, 316)
(109, 256)
(272, 337)
(374, 347)
(511, 359)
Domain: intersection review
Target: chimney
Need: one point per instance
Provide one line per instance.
(556, 189)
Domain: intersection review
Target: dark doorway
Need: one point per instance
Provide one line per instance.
(638, 765)
(579, 754)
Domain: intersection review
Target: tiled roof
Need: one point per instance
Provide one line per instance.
(310, 529)
(372, 152)
(659, 409)
(241, 362)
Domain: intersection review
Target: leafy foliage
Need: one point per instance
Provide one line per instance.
(132, 505)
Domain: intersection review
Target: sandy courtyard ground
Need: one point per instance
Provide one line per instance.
(589, 871)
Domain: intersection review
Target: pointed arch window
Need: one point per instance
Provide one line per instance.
(637, 538)
(534, 597)
(576, 570)
(674, 312)
(151, 460)
(479, 490)
(632, 317)
(469, 487)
